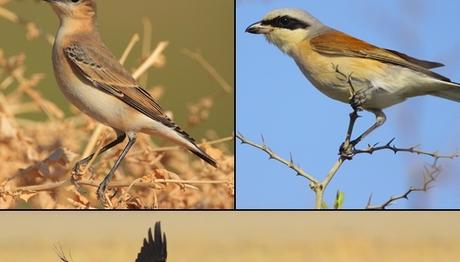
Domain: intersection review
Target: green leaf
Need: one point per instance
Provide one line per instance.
(339, 198)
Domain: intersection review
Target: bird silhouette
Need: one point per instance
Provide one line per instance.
(153, 248)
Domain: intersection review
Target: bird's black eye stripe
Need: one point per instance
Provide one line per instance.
(285, 22)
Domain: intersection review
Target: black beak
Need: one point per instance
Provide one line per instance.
(255, 28)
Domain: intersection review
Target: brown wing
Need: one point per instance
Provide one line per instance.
(337, 43)
(103, 70)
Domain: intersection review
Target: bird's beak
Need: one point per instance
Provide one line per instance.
(258, 28)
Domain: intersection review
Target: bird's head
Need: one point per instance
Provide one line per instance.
(287, 27)
(74, 9)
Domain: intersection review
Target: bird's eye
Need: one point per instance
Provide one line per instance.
(75, 1)
(284, 21)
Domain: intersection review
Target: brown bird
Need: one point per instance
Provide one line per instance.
(97, 84)
(331, 60)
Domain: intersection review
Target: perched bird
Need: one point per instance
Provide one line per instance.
(153, 248)
(341, 66)
(97, 84)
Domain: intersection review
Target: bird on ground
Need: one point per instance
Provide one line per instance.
(93, 80)
(344, 67)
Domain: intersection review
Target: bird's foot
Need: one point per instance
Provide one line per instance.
(101, 192)
(76, 174)
(347, 150)
(357, 101)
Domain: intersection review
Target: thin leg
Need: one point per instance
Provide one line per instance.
(347, 148)
(380, 118)
(103, 186)
(120, 138)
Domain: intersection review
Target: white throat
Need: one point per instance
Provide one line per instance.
(286, 39)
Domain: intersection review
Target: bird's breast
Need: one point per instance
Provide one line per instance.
(99, 105)
(383, 84)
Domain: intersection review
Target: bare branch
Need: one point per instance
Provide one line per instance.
(272, 155)
(388, 146)
(430, 176)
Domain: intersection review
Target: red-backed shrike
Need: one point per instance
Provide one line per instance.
(97, 84)
(335, 62)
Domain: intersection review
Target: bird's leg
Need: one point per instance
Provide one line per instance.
(357, 99)
(103, 185)
(120, 138)
(380, 119)
(347, 148)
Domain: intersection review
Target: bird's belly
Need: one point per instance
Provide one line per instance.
(98, 105)
(382, 84)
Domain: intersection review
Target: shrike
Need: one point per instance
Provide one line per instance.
(335, 62)
(97, 84)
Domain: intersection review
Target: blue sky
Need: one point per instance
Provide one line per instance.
(276, 100)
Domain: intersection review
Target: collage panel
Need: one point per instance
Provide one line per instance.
(118, 105)
(229, 236)
(347, 105)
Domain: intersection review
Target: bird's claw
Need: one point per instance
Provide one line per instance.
(101, 191)
(357, 100)
(347, 150)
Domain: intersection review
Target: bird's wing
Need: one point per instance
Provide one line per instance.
(103, 71)
(153, 249)
(333, 42)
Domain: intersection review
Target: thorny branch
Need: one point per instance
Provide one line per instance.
(431, 174)
(348, 151)
(272, 155)
(414, 149)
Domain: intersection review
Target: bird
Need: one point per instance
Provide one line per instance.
(153, 247)
(343, 67)
(93, 80)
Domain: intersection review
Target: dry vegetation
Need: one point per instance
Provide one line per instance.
(37, 156)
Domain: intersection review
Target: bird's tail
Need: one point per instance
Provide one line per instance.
(451, 93)
(201, 154)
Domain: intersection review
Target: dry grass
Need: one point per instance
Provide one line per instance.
(36, 156)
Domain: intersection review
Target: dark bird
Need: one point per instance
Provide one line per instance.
(153, 249)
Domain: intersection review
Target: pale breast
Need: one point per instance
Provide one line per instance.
(81, 93)
(380, 82)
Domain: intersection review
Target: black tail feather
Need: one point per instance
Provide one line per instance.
(201, 154)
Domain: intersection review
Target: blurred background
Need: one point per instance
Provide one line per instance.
(275, 99)
(233, 236)
(42, 135)
(205, 27)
